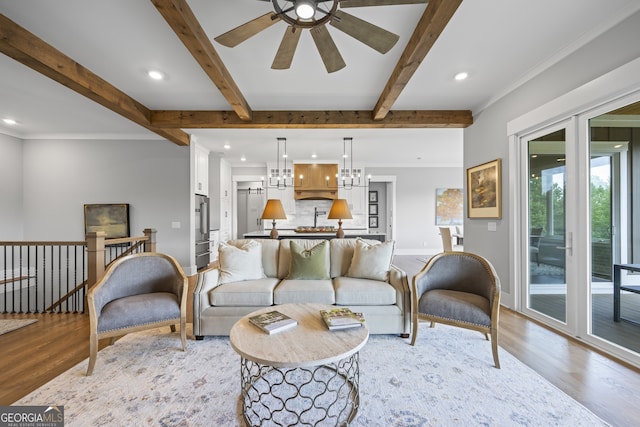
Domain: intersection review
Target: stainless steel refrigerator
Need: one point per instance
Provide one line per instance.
(203, 250)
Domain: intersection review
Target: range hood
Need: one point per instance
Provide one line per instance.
(314, 181)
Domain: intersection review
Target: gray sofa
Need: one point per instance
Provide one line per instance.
(359, 275)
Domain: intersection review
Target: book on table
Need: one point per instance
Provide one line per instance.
(273, 322)
(342, 318)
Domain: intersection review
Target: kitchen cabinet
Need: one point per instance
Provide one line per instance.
(314, 183)
(356, 198)
(285, 195)
(202, 170)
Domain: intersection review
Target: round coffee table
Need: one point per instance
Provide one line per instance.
(305, 375)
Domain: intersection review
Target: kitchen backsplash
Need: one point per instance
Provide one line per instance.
(304, 217)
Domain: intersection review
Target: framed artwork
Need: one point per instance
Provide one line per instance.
(373, 209)
(112, 219)
(373, 222)
(373, 196)
(449, 206)
(484, 192)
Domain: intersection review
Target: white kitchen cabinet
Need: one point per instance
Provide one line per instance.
(202, 171)
(286, 195)
(356, 196)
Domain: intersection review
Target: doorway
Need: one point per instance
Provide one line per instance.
(249, 204)
(576, 181)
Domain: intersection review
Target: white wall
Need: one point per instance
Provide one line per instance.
(487, 139)
(60, 176)
(11, 226)
(417, 232)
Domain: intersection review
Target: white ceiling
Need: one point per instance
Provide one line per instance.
(500, 43)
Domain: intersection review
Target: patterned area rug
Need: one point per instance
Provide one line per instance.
(447, 379)
(8, 325)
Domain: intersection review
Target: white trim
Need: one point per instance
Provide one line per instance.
(571, 110)
(615, 84)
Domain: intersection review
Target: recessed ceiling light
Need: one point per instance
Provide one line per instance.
(227, 146)
(9, 121)
(461, 76)
(155, 75)
(314, 155)
(243, 159)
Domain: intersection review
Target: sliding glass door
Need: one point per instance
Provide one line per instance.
(578, 181)
(546, 226)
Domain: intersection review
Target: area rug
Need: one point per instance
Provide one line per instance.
(8, 325)
(446, 379)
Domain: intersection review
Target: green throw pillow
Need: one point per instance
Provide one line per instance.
(309, 264)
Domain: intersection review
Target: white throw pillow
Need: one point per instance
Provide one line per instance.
(240, 263)
(371, 261)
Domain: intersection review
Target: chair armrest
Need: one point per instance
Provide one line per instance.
(206, 281)
(398, 279)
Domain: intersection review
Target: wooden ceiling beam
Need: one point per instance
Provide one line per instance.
(435, 18)
(19, 44)
(311, 119)
(181, 19)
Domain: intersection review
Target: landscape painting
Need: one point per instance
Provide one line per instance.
(113, 219)
(449, 206)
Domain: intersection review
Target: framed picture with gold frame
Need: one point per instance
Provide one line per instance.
(484, 190)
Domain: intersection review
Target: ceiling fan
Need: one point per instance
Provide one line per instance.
(314, 15)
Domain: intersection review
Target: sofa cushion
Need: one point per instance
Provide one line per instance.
(284, 253)
(240, 263)
(353, 291)
(258, 293)
(309, 264)
(371, 261)
(304, 291)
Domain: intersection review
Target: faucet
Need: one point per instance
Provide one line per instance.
(316, 212)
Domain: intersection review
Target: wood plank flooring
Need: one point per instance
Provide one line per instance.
(33, 355)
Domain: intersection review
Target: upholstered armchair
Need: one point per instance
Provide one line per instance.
(458, 289)
(137, 292)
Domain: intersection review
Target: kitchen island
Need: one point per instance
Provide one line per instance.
(292, 234)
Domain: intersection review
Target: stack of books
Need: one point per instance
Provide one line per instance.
(273, 322)
(342, 318)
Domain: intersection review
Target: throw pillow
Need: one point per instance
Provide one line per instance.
(371, 261)
(309, 264)
(240, 263)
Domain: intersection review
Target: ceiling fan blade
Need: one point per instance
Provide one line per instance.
(369, 34)
(328, 50)
(363, 3)
(234, 37)
(287, 48)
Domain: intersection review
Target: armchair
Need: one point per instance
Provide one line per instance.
(137, 292)
(458, 289)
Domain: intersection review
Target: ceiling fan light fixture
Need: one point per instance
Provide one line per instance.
(305, 9)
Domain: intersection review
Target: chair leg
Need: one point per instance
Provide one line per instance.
(494, 347)
(93, 352)
(113, 341)
(414, 333)
(183, 333)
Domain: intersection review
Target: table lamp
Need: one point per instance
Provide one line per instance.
(273, 210)
(340, 210)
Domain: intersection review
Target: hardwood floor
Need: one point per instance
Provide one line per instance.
(33, 355)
